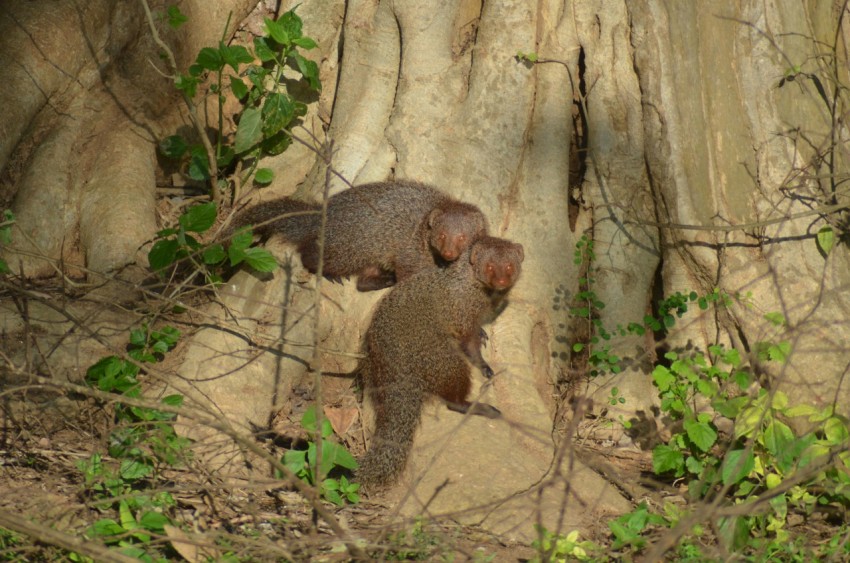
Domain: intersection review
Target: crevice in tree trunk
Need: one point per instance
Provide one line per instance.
(659, 337)
(578, 145)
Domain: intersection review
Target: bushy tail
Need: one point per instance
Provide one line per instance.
(275, 217)
(397, 414)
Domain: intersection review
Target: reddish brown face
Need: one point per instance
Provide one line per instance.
(451, 245)
(500, 275)
(496, 262)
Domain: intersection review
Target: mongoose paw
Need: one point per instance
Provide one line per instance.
(484, 338)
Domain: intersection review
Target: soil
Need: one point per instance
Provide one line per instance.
(45, 435)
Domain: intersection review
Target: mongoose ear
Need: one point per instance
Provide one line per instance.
(433, 215)
(473, 253)
(520, 250)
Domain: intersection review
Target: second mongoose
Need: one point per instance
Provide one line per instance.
(422, 339)
(382, 232)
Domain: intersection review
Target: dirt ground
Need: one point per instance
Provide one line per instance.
(45, 435)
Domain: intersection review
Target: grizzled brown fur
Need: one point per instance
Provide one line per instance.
(422, 339)
(382, 232)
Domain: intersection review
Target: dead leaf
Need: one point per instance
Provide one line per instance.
(193, 549)
(341, 418)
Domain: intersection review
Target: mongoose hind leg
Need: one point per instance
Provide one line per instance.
(480, 409)
(309, 251)
(373, 278)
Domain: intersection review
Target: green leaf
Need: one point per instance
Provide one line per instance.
(163, 254)
(777, 437)
(737, 465)
(666, 458)
(249, 132)
(4, 267)
(779, 352)
(175, 17)
(792, 455)
(199, 165)
(133, 470)
(277, 32)
(174, 146)
(264, 176)
(305, 43)
(803, 410)
(332, 495)
(338, 455)
(236, 255)
(776, 318)
(278, 112)
(327, 460)
(296, 461)
(237, 86)
(172, 400)
(260, 259)
(213, 254)
(291, 23)
(734, 532)
(706, 388)
(199, 218)
(126, 516)
(730, 407)
(138, 337)
(662, 378)
(106, 527)
(276, 144)
(226, 157)
(210, 59)
(234, 55)
(167, 334)
(330, 484)
(308, 422)
(694, 465)
(309, 70)
(825, 240)
(242, 239)
(701, 434)
(262, 50)
(154, 521)
(835, 430)
(187, 84)
(743, 379)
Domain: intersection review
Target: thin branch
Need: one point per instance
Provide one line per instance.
(77, 544)
(193, 110)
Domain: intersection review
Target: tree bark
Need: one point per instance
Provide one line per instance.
(699, 145)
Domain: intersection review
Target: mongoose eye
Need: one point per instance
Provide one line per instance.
(490, 268)
(509, 268)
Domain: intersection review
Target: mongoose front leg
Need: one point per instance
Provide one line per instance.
(471, 345)
(480, 409)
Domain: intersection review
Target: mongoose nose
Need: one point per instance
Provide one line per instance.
(501, 283)
(449, 255)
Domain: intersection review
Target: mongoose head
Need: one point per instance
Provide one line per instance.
(454, 228)
(496, 262)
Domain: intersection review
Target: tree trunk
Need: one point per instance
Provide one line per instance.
(698, 145)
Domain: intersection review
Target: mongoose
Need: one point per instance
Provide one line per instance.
(382, 232)
(423, 336)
